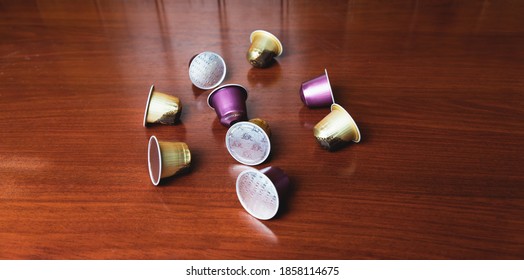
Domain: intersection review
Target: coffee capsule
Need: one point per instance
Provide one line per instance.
(161, 108)
(336, 129)
(317, 92)
(261, 192)
(207, 70)
(248, 142)
(264, 47)
(229, 102)
(166, 159)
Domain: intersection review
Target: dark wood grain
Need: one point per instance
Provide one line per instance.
(436, 88)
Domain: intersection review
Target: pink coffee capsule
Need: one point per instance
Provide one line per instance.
(261, 192)
(229, 102)
(317, 92)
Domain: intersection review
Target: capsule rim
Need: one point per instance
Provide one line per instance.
(252, 213)
(337, 107)
(266, 155)
(223, 76)
(330, 88)
(157, 144)
(269, 34)
(146, 112)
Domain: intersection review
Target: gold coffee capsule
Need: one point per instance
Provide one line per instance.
(161, 108)
(264, 47)
(336, 129)
(262, 124)
(166, 159)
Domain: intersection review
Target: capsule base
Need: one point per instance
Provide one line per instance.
(260, 59)
(230, 119)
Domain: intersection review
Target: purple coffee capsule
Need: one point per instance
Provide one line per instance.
(262, 191)
(317, 92)
(229, 102)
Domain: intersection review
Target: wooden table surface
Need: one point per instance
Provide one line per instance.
(437, 90)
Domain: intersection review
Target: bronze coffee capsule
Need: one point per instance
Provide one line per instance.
(264, 47)
(336, 129)
(161, 108)
(166, 159)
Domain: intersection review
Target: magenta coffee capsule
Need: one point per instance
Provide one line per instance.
(261, 192)
(161, 108)
(336, 129)
(166, 159)
(248, 142)
(317, 92)
(207, 70)
(229, 103)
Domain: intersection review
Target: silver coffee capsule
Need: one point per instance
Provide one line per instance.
(207, 70)
(261, 192)
(248, 141)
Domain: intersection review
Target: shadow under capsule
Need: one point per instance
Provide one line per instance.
(264, 77)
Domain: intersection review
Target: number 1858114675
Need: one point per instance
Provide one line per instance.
(299, 270)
